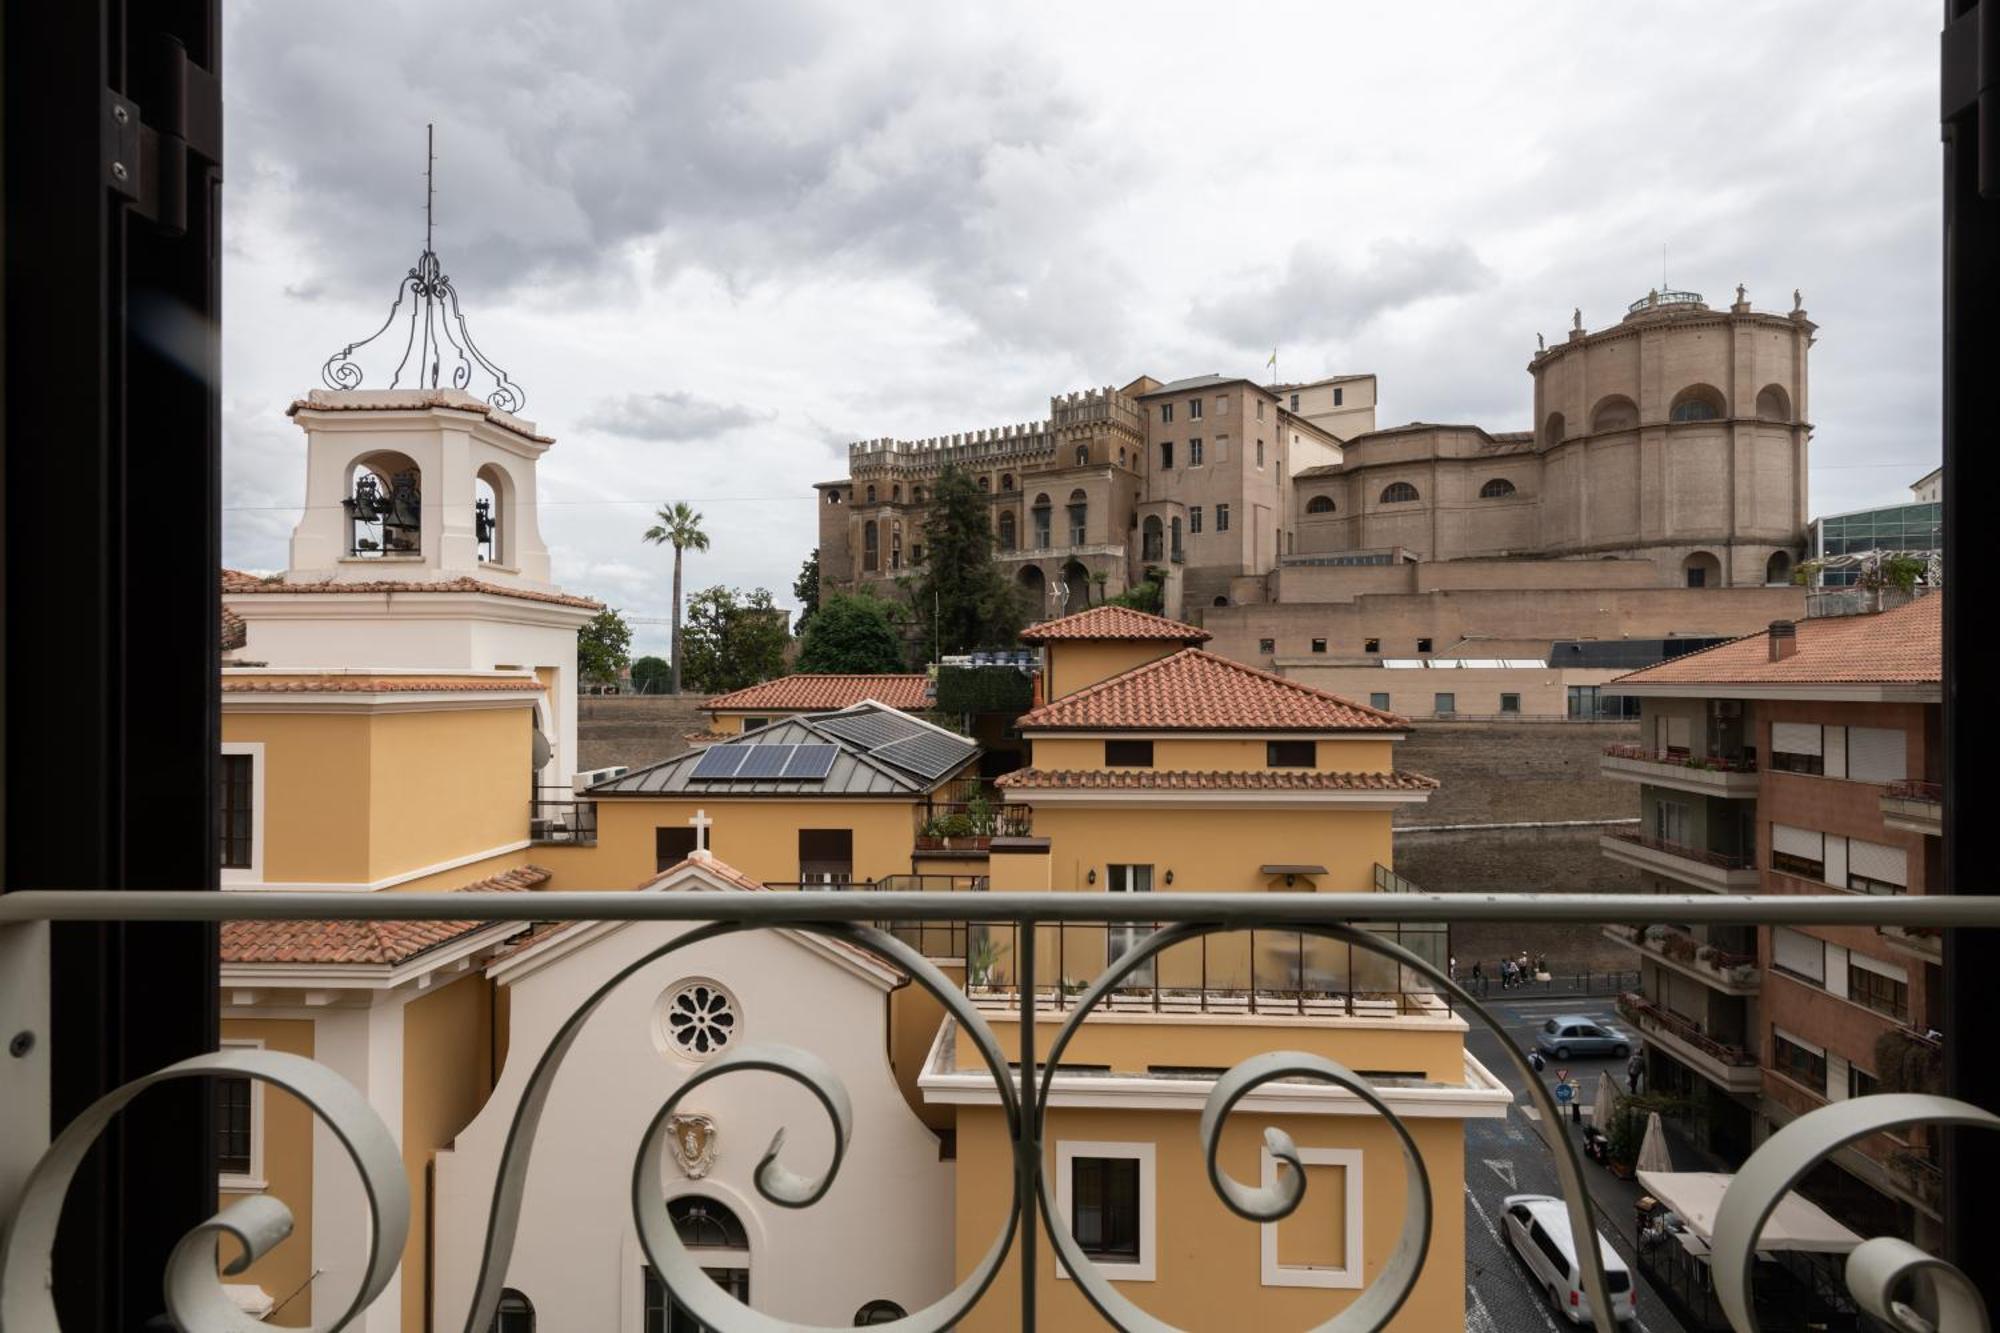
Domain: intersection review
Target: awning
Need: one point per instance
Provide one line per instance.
(1796, 1223)
(1293, 870)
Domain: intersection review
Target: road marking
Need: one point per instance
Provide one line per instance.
(1504, 1169)
(1478, 1319)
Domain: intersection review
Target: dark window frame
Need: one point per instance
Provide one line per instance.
(1291, 754)
(1128, 754)
(237, 795)
(1104, 1208)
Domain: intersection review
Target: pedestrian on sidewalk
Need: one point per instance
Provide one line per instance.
(1634, 1068)
(1506, 974)
(1478, 977)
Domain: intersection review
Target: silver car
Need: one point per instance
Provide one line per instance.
(1568, 1035)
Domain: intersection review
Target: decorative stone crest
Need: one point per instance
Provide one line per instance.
(694, 1144)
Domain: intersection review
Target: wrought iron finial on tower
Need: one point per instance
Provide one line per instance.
(437, 333)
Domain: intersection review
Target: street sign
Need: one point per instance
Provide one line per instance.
(1562, 1076)
(1563, 1093)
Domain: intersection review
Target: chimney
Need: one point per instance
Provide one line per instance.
(1784, 637)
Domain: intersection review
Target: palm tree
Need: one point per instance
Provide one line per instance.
(680, 527)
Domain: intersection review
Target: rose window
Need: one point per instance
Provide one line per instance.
(701, 1018)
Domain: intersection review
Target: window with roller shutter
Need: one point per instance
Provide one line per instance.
(1798, 851)
(1798, 747)
(1874, 868)
(1877, 754)
(1798, 953)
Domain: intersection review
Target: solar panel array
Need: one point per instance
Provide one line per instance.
(765, 763)
(926, 754)
(888, 736)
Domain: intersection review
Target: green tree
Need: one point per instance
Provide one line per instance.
(851, 633)
(679, 526)
(733, 641)
(806, 589)
(603, 648)
(1147, 595)
(963, 600)
(651, 675)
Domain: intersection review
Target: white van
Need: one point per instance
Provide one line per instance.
(1538, 1229)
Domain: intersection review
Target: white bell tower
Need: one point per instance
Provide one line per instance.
(420, 549)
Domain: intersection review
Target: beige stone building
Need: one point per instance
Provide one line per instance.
(1660, 494)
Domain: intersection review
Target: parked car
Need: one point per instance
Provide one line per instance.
(1568, 1035)
(1538, 1229)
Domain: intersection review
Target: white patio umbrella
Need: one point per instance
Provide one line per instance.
(1605, 1107)
(1653, 1154)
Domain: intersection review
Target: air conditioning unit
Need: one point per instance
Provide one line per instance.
(591, 778)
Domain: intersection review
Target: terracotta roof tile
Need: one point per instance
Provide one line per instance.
(1195, 690)
(372, 684)
(815, 693)
(1170, 779)
(375, 942)
(1113, 622)
(252, 585)
(381, 400)
(1903, 646)
(234, 635)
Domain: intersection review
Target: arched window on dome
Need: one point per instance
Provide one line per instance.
(1320, 504)
(1778, 569)
(1399, 492)
(1615, 412)
(1554, 428)
(1774, 404)
(1497, 489)
(1697, 402)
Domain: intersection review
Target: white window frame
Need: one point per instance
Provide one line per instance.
(256, 1182)
(1067, 1151)
(254, 873)
(1349, 1275)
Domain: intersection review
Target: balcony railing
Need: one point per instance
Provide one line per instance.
(564, 820)
(1643, 1014)
(968, 826)
(1726, 970)
(1252, 972)
(1915, 791)
(1253, 945)
(1678, 759)
(1719, 860)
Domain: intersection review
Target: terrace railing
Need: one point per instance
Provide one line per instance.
(968, 826)
(1680, 759)
(1721, 860)
(1237, 936)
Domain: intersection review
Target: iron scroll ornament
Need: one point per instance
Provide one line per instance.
(196, 1300)
(437, 335)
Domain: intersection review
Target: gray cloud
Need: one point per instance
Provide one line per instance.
(1319, 295)
(679, 415)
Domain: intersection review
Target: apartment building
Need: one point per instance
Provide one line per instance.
(1804, 758)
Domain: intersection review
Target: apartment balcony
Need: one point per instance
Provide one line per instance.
(1893, 1164)
(967, 828)
(1914, 807)
(1718, 969)
(1718, 872)
(1733, 778)
(1730, 1067)
(1923, 943)
(563, 821)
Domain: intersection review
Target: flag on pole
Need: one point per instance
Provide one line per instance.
(1274, 358)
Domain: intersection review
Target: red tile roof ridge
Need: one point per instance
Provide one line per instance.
(813, 691)
(375, 587)
(1903, 645)
(366, 942)
(1113, 622)
(324, 684)
(394, 400)
(1344, 714)
(1171, 779)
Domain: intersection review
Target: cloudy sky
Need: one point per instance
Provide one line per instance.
(715, 242)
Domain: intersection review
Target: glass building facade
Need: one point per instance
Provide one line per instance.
(1911, 527)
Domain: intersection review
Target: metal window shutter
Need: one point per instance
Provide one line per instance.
(1876, 754)
(1798, 952)
(1795, 737)
(1796, 1040)
(1891, 865)
(1879, 968)
(1797, 842)
(1677, 733)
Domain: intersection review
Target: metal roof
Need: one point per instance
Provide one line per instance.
(877, 752)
